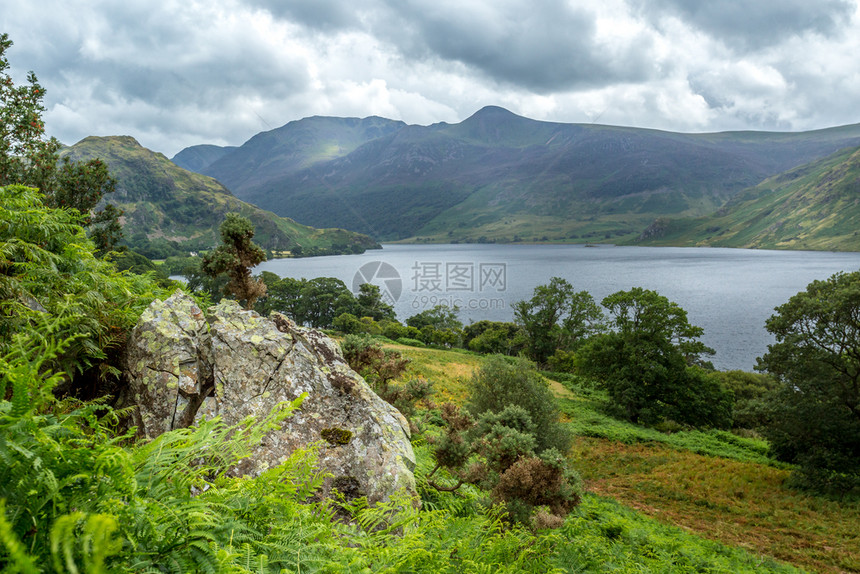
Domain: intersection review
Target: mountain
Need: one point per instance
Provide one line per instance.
(299, 144)
(169, 209)
(815, 206)
(199, 157)
(498, 176)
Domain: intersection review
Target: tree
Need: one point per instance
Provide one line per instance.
(314, 302)
(504, 381)
(324, 299)
(494, 337)
(556, 317)
(649, 363)
(370, 303)
(440, 317)
(509, 441)
(27, 158)
(235, 257)
(815, 413)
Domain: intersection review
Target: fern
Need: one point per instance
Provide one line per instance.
(49, 271)
(17, 559)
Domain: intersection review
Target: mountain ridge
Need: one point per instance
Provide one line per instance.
(497, 176)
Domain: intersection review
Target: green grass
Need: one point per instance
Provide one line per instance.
(604, 536)
(600, 535)
(691, 501)
(810, 207)
(586, 420)
(584, 407)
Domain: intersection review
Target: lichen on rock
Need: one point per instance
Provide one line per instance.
(336, 437)
(234, 363)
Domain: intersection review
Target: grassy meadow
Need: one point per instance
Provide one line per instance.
(689, 501)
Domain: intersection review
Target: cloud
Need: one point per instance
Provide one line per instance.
(179, 72)
(745, 24)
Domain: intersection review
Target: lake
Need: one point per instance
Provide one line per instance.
(728, 292)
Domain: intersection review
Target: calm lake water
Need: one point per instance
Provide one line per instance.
(728, 292)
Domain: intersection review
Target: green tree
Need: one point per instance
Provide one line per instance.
(235, 257)
(510, 442)
(815, 413)
(503, 381)
(440, 317)
(494, 338)
(371, 304)
(324, 299)
(28, 158)
(649, 363)
(556, 317)
(313, 302)
(750, 391)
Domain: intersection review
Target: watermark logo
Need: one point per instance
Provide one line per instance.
(459, 277)
(433, 283)
(384, 276)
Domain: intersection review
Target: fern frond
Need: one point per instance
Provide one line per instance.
(20, 560)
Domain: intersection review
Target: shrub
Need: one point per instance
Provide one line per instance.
(497, 453)
(348, 324)
(503, 381)
(49, 267)
(380, 367)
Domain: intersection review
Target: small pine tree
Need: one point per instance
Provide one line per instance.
(235, 257)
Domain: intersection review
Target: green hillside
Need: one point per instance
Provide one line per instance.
(297, 145)
(199, 157)
(814, 206)
(165, 204)
(501, 177)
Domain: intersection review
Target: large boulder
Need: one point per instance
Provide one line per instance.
(182, 363)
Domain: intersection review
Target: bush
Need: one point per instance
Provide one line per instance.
(411, 342)
(392, 329)
(348, 324)
(503, 381)
(49, 267)
(380, 367)
(497, 453)
(750, 391)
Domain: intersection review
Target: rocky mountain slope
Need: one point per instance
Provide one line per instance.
(169, 208)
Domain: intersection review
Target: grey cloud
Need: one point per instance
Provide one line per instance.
(316, 14)
(542, 47)
(181, 73)
(752, 23)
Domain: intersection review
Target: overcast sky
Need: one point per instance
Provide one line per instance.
(179, 73)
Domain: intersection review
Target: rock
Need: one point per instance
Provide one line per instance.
(234, 363)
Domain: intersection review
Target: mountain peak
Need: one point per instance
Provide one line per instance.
(127, 141)
(492, 112)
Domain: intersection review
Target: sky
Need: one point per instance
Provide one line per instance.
(178, 73)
